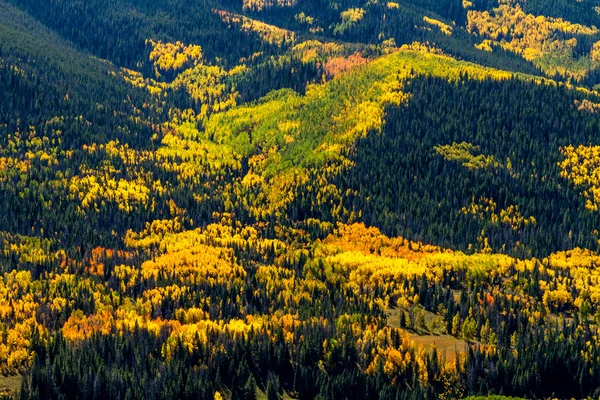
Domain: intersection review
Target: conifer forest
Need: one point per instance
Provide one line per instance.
(300, 199)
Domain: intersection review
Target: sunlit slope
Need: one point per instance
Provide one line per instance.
(190, 293)
(448, 152)
(292, 156)
(548, 36)
(286, 137)
(56, 100)
(303, 244)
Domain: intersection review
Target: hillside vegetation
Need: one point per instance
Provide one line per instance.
(307, 200)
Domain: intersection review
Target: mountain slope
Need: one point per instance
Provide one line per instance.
(60, 100)
(203, 199)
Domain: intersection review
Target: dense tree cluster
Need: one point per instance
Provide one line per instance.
(514, 144)
(557, 46)
(342, 205)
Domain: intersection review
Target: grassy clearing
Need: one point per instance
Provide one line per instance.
(429, 338)
(445, 344)
(10, 385)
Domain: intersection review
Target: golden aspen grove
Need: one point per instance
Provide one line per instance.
(260, 199)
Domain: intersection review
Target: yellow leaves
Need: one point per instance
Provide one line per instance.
(595, 52)
(464, 153)
(18, 309)
(389, 45)
(486, 45)
(173, 56)
(28, 249)
(582, 266)
(555, 299)
(511, 216)
(328, 119)
(94, 188)
(80, 326)
(200, 263)
(237, 70)
(302, 18)
(136, 79)
(353, 258)
(252, 180)
(581, 166)
(260, 5)
(376, 271)
(58, 304)
(155, 297)
(11, 164)
(194, 335)
(93, 191)
(444, 28)
(528, 35)
(487, 209)
(369, 240)
(180, 264)
(370, 118)
(280, 285)
(349, 18)
(206, 85)
(186, 156)
(289, 127)
(15, 353)
(114, 149)
(574, 259)
(195, 257)
(314, 50)
(153, 232)
(423, 48)
(190, 315)
(588, 106)
(353, 15)
(397, 360)
(269, 33)
(364, 259)
(76, 327)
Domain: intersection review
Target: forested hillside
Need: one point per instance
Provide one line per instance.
(352, 199)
